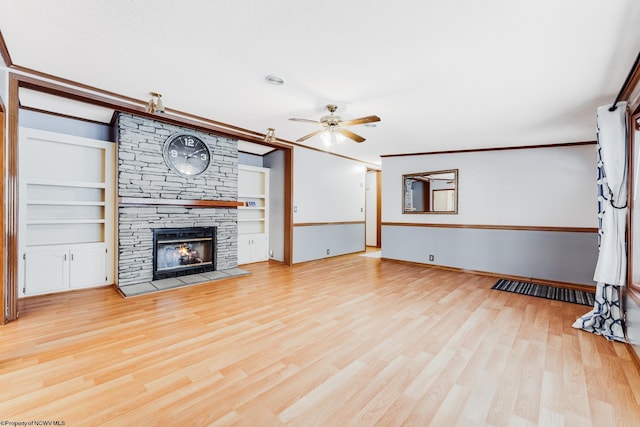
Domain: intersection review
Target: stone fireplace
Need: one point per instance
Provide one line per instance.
(151, 196)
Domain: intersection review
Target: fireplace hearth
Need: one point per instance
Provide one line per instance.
(183, 251)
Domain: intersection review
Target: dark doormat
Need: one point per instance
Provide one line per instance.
(546, 291)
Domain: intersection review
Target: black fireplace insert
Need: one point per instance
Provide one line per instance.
(183, 251)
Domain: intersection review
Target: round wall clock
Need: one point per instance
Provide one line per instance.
(186, 154)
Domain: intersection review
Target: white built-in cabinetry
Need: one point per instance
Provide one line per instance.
(67, 202)
(253, 216)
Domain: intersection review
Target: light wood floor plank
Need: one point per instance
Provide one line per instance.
(347, 341)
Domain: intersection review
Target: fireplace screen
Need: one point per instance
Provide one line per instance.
(183, 251)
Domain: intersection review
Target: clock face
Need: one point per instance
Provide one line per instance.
(186, 154)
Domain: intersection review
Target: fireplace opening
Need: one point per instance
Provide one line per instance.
(183, 251)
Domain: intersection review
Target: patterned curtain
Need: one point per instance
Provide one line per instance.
(606, 317)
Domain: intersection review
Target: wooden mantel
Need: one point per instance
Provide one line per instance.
(144, 201)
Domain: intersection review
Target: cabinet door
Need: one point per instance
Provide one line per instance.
(88, 267)
(244, 248)
(46, 270)
(259, 248)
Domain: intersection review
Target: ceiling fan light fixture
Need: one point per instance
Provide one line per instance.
(333, 130)
(274, 80)
(331, 136)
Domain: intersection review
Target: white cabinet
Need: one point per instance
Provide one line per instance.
(252, 248)
(46, 271)
(50, 269)
(253, 216)
(67, 212)
(88, 266)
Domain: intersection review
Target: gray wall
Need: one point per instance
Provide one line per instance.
(311, 242)
(68, 126)
(559, 256)
(250, 159)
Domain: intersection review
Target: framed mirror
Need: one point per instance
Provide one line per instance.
(430, 192)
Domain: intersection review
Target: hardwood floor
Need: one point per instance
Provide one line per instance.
(348, 341)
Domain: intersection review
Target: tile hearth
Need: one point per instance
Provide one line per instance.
(179, 282)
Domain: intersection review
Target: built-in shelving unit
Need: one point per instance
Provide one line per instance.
(253, 214)
(67, 215)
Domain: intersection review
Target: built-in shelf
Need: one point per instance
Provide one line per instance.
(66, 218)
(64, 221)
(253, 214)
(64, 203)
(65, 183)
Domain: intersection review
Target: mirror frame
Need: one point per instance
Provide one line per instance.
(410, 175)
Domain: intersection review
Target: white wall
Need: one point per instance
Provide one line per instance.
(328, 191)
(552, 186)
(327, 188)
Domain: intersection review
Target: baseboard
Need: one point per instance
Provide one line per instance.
(565, 285)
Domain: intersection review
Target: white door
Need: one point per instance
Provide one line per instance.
(88, 267)
(45, 270)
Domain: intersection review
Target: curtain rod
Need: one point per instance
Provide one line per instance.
(626, 82)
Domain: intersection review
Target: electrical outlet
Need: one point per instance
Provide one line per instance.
(431, 257)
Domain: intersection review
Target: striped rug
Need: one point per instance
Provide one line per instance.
(545, 291)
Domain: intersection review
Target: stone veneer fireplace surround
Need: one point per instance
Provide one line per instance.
(150, 196)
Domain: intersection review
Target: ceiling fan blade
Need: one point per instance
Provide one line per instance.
(351, 135)
(312, 134)
(361, 121)
(306, 121)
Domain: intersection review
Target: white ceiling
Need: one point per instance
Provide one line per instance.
(441, 74)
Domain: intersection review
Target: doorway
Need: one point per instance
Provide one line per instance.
(373, 208)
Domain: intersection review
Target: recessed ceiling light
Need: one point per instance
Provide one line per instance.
(370, 125)
(275, 80)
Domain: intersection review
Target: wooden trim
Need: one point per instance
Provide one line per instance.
(565, 285)
(475, 150)
(4, 52)
(630, 84)
(183, 118)
(214, 126)
(497, 227)
(96, 99)
(142, 201)
(315, 224)
(12, 202)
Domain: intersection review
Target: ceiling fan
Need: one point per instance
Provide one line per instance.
(332, 124)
